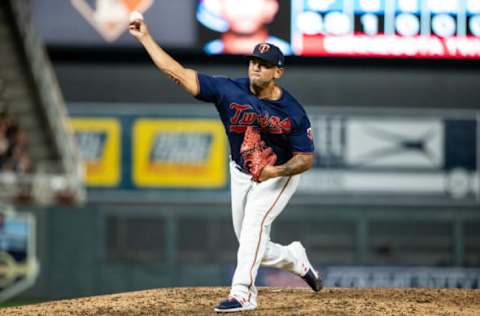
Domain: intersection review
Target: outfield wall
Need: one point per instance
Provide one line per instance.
(144, 227)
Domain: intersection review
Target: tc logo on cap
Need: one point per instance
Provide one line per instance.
(263, 48)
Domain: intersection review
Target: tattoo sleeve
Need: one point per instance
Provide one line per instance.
(297, 164)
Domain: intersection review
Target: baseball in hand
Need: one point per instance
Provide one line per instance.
(135, 16)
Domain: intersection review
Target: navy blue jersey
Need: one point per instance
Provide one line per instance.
(284, 124)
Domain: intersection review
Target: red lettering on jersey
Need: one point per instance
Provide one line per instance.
(274, 125)
(239, 108)
(248, 118)
(274, 121)
(271, 123)
(263, 120)
(286, 125)
(239, 129)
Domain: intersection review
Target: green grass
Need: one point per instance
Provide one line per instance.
(13, 303)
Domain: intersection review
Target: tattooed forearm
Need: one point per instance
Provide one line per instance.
(298, 164)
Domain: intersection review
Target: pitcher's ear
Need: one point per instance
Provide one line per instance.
(278, 72)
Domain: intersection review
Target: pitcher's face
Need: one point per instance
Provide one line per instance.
(261, 73)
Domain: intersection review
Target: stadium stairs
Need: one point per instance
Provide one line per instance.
(30, 93)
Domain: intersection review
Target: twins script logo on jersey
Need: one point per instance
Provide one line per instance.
(110, 17)
(243, 118)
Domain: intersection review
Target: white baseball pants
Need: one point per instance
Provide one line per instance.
(254, 208)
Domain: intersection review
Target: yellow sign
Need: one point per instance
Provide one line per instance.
(179, 153)
(99, 144)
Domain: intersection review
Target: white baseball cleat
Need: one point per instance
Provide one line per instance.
(308, 274)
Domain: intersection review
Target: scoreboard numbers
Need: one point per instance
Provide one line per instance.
(407, 24)
(444, 25)
(337, 23)
(391, 28)
(369, 24)
(474, 25)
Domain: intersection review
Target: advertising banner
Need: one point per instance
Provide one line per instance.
(100, 149)
(184, 153)
(425, 157)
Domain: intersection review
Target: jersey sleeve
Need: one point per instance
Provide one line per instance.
(301, 139)
(210, 87)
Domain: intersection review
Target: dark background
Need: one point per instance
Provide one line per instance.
(132, 77)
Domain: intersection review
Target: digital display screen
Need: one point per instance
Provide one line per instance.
(235, 27)
(386, 28)
(104, 23)
(447, 29)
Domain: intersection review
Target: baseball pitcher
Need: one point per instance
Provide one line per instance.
(270, 145)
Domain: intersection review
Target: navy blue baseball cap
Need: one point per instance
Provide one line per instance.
(268, 53)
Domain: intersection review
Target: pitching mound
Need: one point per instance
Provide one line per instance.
(272, 301)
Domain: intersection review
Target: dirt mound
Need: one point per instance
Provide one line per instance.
(271, 301)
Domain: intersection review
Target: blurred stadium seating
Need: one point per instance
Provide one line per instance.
(38, 161)
(14, 157)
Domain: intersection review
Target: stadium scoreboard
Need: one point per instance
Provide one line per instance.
(387, 28)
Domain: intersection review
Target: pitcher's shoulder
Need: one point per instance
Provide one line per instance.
(292, 102)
